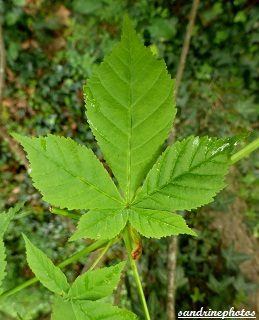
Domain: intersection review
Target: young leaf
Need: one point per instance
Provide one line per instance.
(88, 310)
(105, 224)
(187, 175)
(69, 175)
(96, 284)
(5, 219)
(44, 269)
(130, 109)
(157, 223)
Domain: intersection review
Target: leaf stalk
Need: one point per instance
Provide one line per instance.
(65, 213)
(245, 151)
(127, 241)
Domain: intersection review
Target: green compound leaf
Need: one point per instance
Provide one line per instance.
(102, 224)
(44, 269)
(130, 109)
(69, 175)
(88, 310)
(157, 224)
(5, 218)
(187, 175)
(96, 284)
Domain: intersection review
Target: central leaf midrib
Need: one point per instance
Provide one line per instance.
(129, 152)
(77, 177)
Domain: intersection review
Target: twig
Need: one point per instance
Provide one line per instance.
(186, 45)
(2, 64)
(171, 273)
(12, 144)
(172, 245)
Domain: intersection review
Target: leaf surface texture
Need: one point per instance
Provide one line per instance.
(130, 109)
(69, 175)
(187, 175)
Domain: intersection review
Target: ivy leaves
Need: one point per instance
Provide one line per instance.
(130, 109)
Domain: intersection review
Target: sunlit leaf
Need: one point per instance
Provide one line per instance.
(69, 175)
(187, 175)
(130, 109)
(157, 223)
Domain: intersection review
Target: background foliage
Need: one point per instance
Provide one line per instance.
(51, 47)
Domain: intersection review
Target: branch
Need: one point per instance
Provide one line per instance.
(186, 46)
(172, 245)
(171, 274)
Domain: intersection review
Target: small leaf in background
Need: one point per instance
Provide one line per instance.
(44, 269)
(130, 109)
(219, 287)
(101, 224)
(87, 6)
(163, 29)
(96, 284)
(187, 175)
(197, 296)
(158, 223)
(69, 175)
(233, 259)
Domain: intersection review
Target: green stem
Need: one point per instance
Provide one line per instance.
(102, 253)
(245, 151)
(92, 247)
(65, 213)
(127, 240)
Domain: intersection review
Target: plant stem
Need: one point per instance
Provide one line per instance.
(65, 213)
(92, 247)
(126, 238)
(102, 253)
(245, 151)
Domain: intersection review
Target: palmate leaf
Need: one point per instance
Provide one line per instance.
(44, 269)
(130, 109)
(96, 284)
(187, 175)
(88, 310)
(69, 175)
